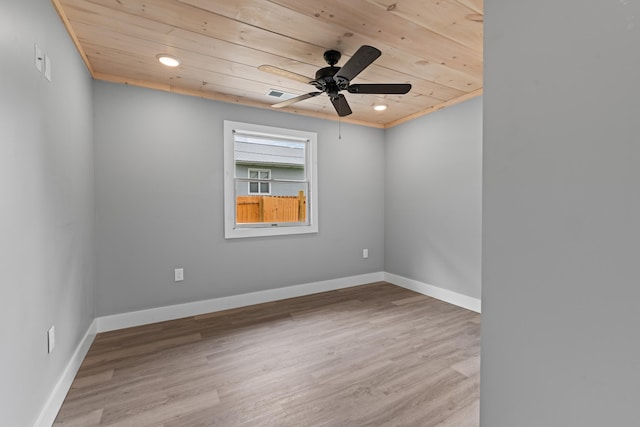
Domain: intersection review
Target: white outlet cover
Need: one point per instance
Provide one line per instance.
(365, 253)
(179, 274)
(51, 338)
(47, 67)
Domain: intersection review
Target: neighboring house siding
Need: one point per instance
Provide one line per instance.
(277, 188)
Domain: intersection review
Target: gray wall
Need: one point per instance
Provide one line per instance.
(561, 232)
(159, 202)
(433, 198)
(46, 215)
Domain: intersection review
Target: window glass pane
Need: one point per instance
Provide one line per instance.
(263, 153)
(265, 159)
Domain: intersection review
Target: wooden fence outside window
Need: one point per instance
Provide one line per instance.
(271, 208)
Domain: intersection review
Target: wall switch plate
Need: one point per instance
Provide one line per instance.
(38, 57)
(51, 339)
(47, 67)
(365, 253)
(178, 274)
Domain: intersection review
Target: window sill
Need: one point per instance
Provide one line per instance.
(237, 233)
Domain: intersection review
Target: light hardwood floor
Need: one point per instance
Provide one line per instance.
(372, 355)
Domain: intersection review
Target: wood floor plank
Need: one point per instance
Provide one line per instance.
(374, 354)
(81, 420)
(468, 367)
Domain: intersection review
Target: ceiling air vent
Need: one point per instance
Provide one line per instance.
(280, 94)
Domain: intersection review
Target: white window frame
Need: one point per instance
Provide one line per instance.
(233, 230)
(259, 181)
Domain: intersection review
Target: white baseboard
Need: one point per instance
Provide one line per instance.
(56, 398)
(464, 301)
(161, 314)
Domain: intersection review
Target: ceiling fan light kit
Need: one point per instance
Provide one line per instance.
(332, 80)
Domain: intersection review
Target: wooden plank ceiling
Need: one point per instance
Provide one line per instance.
(436, 45)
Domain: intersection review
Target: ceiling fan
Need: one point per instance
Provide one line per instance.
(332, 80)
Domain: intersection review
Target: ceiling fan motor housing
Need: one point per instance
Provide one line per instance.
(324, 81)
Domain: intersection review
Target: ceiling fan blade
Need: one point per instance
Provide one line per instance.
(341, 105)
(360, 60)
(296, 99)
(284, 73)
(381, 88)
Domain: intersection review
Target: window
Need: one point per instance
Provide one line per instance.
(270, 181)
(260, 187)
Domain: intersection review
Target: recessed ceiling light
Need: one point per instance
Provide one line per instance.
(168, 60)
(380, 107)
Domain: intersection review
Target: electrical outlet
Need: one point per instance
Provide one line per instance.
(178, 274)
(51, 338)
(365, 253)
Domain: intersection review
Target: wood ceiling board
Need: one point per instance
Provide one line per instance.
(226, 42)
(322, 64)
(448, 18)
(88, 26)
(239, 88)
(177, 40)
(110, 19)
(99, 14)
(294, 25)
(216, 26)
(429, 70)
(128, 47)
(139, 70)
(438, 90)
(385, 27)
(476, 5)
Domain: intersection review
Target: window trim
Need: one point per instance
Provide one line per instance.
(258, 180)
(231, 230)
